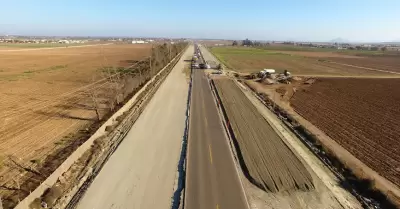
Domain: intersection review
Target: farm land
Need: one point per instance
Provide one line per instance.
(352, 97)
(361, 115)
(49, 99)
(9, 46)
(308, 62)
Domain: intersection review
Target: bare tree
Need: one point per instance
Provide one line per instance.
(151, 57)
(169, 52)
(19, 166)
(96, 106)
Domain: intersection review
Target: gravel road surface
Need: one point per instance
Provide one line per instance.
(142, 171)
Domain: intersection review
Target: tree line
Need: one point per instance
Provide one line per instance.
(248, 42)
(125, 81)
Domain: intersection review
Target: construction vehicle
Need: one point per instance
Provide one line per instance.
(195, 65)
(284, 77)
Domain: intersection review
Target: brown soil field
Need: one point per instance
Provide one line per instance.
(362, 115)
(297, 66)
(34, 46)
(389, 63)
(384, 61)
(317, 54)
(250, 60)
(45, 98)
(268, 161)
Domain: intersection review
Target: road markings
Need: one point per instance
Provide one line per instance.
(217, 206)
(204, 109)
(209, 147)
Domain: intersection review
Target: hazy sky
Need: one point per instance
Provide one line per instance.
(308, 20)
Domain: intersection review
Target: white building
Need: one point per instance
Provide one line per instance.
(138, 42)
(63, 42)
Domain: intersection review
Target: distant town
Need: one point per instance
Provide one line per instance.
(349, 46)
(79, 40)
(384, 46)
(327, 45)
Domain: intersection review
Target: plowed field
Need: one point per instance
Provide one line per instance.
(250, 60)
(268, 161)
(389, 63)
(362, 115)
(45, 98)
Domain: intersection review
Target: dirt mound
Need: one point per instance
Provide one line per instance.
(265, 158)
(309, 81)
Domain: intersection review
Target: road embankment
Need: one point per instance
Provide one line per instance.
(264, 157)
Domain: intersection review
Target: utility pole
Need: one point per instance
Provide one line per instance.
(151, 57)
(273, 99)
(170, 51)
(140, 76)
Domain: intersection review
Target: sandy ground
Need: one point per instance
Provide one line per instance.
(142, 171)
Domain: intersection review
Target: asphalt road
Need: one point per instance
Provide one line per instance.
(211, 179)
(208, 56)
(142, 172)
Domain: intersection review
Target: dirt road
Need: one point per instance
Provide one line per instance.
(266, 159)
(142, 171)
(212, 179)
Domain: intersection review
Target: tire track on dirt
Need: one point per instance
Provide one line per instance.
(18, 125)
(271, 165)
(55, 100)
(69, 94)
